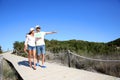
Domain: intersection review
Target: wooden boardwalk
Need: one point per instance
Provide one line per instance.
(52, 72)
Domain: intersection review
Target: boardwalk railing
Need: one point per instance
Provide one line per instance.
(70, 56)
(91, 59)
(1, 67)
(107, 66)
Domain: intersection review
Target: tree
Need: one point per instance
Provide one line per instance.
(19, 46)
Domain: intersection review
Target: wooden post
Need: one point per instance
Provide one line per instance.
(68, 53)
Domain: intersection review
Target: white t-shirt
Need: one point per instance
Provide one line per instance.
(30, 40)
(40, 41)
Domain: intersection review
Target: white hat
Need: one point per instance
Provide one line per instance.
(37, 26)
(31, 29)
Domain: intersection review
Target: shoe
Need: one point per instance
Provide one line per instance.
(43, 66)
(37, 64)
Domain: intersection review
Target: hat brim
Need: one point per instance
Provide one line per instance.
(38, 28)
(31, 31)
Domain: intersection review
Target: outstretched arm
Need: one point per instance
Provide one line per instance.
(51, 32)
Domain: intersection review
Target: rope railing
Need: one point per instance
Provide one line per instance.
(92, 58)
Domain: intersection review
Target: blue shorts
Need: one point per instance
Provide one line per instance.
(40, 49)
(31, 47)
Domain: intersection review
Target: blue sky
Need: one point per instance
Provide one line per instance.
(88, 20)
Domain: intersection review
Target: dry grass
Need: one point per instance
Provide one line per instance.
(109, 68)
(8, 73)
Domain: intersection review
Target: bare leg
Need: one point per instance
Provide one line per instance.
(29, 58)
(43, 59)
(38, 55)
(34, 58)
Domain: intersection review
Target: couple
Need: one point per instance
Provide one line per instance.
(35, 44)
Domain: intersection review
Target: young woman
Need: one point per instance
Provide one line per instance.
(30, 45)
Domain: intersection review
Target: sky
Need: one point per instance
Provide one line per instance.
(88, 20)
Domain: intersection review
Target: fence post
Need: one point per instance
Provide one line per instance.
(1, 67)
(68, 53)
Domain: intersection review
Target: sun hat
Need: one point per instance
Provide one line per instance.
(31, 29)
(37, 26)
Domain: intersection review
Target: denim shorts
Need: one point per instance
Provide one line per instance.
(40, 49)
(31, 47)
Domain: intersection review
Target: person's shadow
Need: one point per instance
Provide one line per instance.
(24, 63)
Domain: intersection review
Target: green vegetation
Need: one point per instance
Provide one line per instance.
(83, 47)
(19, 46)
(78, 46)
(1, 50)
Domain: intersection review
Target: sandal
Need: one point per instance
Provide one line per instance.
(34, 68)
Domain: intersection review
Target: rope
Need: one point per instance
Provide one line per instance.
(94, 59)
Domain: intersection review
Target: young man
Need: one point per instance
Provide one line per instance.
(40, 44)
